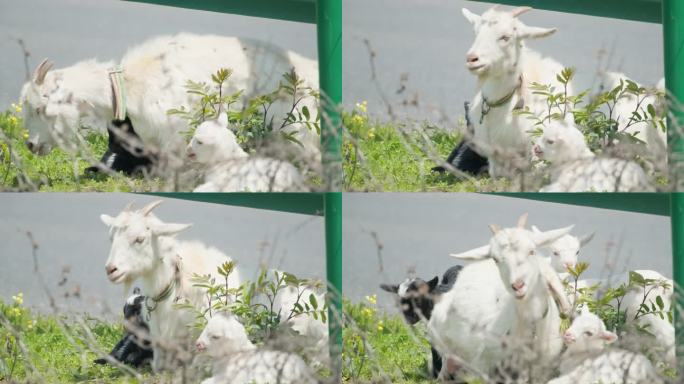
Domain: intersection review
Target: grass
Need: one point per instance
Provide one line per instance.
(56, 350)
(58, 171)
(388, 157)
(382, 348)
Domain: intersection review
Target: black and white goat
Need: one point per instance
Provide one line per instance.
(132, 349)
(124, 150)
(417, 299)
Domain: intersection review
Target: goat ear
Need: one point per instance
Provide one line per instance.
(472, 18)
(586, 238)
(223, 119)
(522, 221)
(495, 228)
(527, 32)
(107, 220)
(389, 288)
(432, 284)
(544, 238)
(608, 336)
(555, 285)
(480, 253)
(535, 229)
(169, 229)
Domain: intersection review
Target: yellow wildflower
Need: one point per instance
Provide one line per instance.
(362, 106)
(18, 299)
(30, 324)
(373, 299)
(13, 119)
(371, 133)
(26, 135)
(17, 108)
(368, 312)
(357, 119)
(381, 326)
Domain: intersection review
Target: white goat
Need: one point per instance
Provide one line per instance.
(655, 138)
(468, 324)
(229, 167)
(565, 251)
(155, 74)
(574, 168)
(237, 360)
(588, 361)
(143, 247)
(504, 68)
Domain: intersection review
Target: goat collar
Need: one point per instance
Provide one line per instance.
(118, 92)
(165, 293)
(488, 105)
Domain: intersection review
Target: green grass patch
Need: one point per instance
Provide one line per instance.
(35, 348)
(382, 348)
(58, 171)
(389, 157)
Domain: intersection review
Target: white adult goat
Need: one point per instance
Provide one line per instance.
(469, 322)
(574, 168)
(155, 74)
(655, 138)
(144, 247)
(588, 361)
(504, 68)
(237, 360)
(230, 169)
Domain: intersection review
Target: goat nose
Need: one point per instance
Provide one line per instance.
(29, 145)
(472, 58)
(200, 346)
(110, 269)
(518, 285)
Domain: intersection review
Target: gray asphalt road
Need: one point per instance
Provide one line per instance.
(425, 41)
(70, 235)
(418, 231)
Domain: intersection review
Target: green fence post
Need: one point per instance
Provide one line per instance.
(673, 36)
(329, 28)
(333, 248)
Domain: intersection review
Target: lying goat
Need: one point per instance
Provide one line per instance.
(124, 150)
(131, 349)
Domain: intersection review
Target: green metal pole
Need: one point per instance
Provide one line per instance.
(333, 248)
(329, 24)
(673, 33)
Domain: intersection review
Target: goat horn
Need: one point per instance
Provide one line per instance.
(494, 228)
(128, 207)
(149, 207)
(522, 221)
(519, 11)
(41, 71)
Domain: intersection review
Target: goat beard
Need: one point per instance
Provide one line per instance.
(127, 287)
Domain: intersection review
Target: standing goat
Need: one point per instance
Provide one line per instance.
(144, 248)
(154, 75)
(504, 68)
(471, 320)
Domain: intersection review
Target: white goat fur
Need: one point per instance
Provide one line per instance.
(565, 250)
(237, 360)
(143, 247)
(155, 74)
(502, 60)
(655, 138)
(587, 360)
(469, 322)
(230, 169)
(574, 168)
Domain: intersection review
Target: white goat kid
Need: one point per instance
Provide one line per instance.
(565, 251)
(143, 247)
(587, 360)
(237, 360)
(155, 74)
(472, 318)
(230, 169)
(504, 67)
(655, 138)
(574, 168)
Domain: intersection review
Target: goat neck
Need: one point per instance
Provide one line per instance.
(497, 87)
(167, 266)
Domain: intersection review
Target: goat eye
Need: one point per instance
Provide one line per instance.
(589, 333)
(504, 38)
(215, 337)
(577, 253)
(531, 252)
(198, 142)
(550, 141)
(555, 253)
(139, 240)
